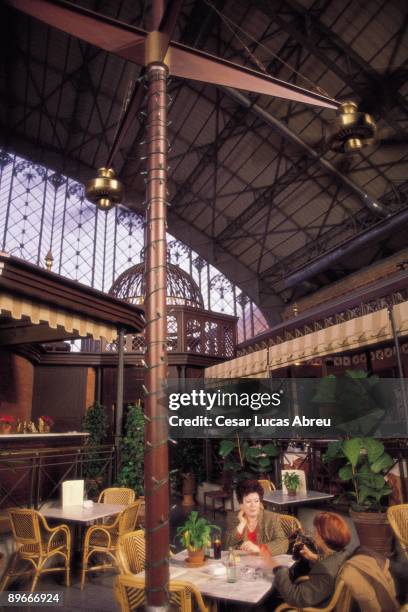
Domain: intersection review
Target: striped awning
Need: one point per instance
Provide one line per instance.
(350, 335)
(55, 317)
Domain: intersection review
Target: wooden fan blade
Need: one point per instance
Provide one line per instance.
(129, 43)
(94, 28)
(197, 65)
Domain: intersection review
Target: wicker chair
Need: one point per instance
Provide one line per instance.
(340, 592)
(36, 543)
(117, 495)
(130, 593)
(398, 519)
(289, 524)
(267, 485)
(105, 539)
(132, 552)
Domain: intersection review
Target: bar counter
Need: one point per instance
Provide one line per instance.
(32, 466)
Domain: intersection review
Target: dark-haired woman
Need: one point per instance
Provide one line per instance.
(331, 537)
(253, 528)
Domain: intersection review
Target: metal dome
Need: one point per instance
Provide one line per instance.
(181, 287)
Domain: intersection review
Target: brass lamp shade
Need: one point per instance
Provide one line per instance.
(104, 191)
(352, 130)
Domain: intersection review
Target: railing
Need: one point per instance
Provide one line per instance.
(326, 316)
(189, 330)
(29, 478)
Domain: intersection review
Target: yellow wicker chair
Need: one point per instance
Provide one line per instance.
(340, 592)
(289, 524)
(36, 543)
(130, 593)
(398, 519)
(132, 552)
(267, 485)
(117, 495)
(104, 539)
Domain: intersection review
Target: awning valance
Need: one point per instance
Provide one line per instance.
(350, 335)
(18, 307)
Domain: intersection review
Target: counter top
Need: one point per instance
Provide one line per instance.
(72, 434)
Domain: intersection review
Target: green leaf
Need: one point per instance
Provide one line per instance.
(351, 448)
(374, 448)
(346, 472)
(382, 464)
(253, 452)
(334, 450)
(226, 447)
(271, 450)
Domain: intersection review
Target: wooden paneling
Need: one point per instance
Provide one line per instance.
(60, 393)
(16, 385)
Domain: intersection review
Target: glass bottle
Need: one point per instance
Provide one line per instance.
(231, 566)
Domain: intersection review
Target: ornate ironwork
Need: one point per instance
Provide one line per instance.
(90, 247)
(181, 288)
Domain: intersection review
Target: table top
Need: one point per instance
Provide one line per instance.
(79, 514)
(279, 498)
(243, 590)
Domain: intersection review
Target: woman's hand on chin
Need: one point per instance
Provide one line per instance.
(250, 547)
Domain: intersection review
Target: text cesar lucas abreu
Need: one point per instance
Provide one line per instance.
(216, 406)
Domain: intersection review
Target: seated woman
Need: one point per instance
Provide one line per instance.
(331, 537)
(253, 528)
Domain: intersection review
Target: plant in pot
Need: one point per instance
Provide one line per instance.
(187, 463)
(291, 481)
(364, 469)
(95, 422)
(195, 535)
(247, 460)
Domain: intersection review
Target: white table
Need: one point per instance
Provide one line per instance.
(280, 499)
(79, 514)
(250, 592)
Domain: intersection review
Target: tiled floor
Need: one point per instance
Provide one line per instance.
(98, 592)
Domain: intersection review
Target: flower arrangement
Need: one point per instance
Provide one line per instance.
(6, 423)
(7, 419)
(47, 420)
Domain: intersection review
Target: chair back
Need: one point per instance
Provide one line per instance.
(117, 495)
(128, 518)
(26, 527)
(267, 485)
(130, 593)
(398, 519)
(289, 524)
(132, 552)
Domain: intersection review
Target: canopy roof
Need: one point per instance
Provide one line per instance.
(245, 194)
(40, 306)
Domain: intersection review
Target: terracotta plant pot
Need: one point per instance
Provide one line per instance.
(5, 428)
(196, 557)
(373, 531)
(291, 492)
(188, 489)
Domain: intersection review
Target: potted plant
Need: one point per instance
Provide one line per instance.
(364, 469)
(6, 423)
(247, 460)
(291, 481)
(187, 462)
(195, 535)
(95, 423)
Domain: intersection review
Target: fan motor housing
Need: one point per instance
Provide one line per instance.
(105, 190)
(351, 130)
